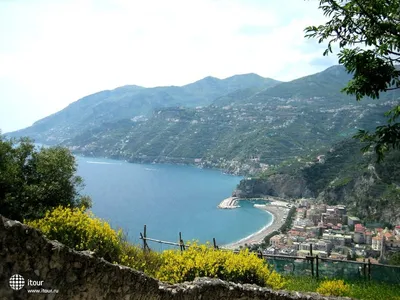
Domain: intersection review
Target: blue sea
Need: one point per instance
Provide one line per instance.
(169, 199)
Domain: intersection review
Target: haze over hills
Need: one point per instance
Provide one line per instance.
(133, 101)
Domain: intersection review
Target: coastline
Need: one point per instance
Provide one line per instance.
(184, 162)
(277, 211)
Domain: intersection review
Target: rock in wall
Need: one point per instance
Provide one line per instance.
(58, 272)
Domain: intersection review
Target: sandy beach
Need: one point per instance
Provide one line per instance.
(278, 210)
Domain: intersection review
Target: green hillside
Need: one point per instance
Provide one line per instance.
(134, 102)
(342, 175)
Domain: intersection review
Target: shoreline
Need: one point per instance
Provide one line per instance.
(278, 212)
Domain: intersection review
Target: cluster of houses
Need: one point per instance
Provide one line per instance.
(329, 232)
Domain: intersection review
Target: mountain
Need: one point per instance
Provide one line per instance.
(326, 84)
(129, 102)
(339, 175)
(238, 138)
(244, 131)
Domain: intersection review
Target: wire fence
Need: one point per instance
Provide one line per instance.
(311, 265)
(333, 268)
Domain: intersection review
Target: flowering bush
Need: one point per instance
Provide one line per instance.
(80, 230)
(134, 257)
(333, 288)
(203, 260)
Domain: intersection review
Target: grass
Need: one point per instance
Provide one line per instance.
(358, 289)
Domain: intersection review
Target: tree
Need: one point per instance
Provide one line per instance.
(394, 259)
(33, 181)
(368, 35)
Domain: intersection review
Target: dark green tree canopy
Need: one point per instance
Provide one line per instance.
(33, 181)
(368, 35)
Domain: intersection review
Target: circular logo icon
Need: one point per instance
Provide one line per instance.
(17, 282)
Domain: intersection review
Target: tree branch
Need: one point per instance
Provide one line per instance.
(391, 89)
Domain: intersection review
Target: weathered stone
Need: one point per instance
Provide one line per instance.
(54, 262)
(71, 277)
(81, 276)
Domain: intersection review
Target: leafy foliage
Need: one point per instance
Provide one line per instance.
(203, 260)
(80, 230)
(33, 181)
(394, 259)
(289, 219)
(375, 25)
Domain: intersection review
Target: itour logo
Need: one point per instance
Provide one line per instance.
(17, 282)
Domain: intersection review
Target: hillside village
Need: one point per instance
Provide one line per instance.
(330, 232)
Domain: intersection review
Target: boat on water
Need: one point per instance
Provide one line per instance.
(259, 205)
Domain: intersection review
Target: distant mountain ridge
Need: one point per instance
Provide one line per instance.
(132, 101)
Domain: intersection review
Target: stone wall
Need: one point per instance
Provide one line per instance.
(68, 274)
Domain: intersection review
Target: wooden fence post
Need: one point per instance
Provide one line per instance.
(181, 243)
(144, 238)
(312, 265)
(215, 244)
(316, 266)
(369, 269)
(364, 270)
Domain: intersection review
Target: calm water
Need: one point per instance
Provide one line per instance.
(168, 199)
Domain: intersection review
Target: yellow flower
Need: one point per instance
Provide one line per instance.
(333, 288)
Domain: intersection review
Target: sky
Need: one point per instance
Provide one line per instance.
(54, 52)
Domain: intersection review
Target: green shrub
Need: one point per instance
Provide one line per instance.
(333, 288)
(34, 180)
(80, 230)
(203, 260)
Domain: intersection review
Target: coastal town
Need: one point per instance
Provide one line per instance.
(320, 229)
(329, 231)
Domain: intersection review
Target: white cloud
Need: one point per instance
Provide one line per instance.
(58, 51)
